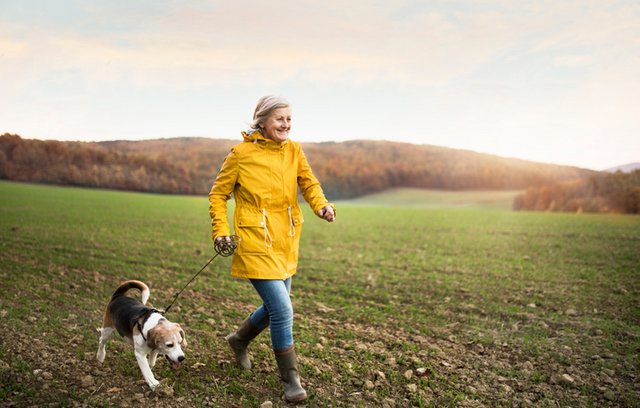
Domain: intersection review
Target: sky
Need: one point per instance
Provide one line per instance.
(550, 81)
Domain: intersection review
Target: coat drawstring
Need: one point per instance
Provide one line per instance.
(266, 230)
(292, 228)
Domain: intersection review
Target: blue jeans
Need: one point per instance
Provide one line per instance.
(276, 310)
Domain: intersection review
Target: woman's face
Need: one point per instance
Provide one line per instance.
(277, 125)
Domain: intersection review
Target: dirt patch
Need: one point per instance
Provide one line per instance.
(376, 367)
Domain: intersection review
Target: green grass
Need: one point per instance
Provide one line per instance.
(420, 198)
(480, 307)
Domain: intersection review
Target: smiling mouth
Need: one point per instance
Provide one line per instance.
(174, 364)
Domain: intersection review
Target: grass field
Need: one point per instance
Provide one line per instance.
(417, 198)
(394, 306)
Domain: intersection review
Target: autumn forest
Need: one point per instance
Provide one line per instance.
(346, 170)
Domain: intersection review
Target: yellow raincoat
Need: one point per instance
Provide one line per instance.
(264, 176)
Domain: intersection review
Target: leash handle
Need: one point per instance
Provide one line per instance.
(222, 247)
(226, 246)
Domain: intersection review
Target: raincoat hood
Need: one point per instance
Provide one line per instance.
(255, 136)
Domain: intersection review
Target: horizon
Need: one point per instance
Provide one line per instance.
(342, 141)
(537, 81)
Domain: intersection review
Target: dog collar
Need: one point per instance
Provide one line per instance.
(143, 319)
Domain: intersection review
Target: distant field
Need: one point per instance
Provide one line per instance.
(418, 198)
(395, 305)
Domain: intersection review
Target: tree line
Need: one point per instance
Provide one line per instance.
(346, 170)
(603, 192)
(91, 165)
(357, 168)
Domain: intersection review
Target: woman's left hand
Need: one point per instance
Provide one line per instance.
(327, 213)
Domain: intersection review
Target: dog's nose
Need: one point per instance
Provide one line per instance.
(181, 359)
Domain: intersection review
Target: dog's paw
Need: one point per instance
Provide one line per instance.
(100, 356)
(164, 389)
(153, 384)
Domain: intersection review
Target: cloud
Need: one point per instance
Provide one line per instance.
(403, 43)
(233, 43)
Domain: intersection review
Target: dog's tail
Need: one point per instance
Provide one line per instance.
(133, 284)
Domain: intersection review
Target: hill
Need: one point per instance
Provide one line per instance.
(346, 170)
(625, 168)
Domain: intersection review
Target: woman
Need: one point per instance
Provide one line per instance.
(264, 173)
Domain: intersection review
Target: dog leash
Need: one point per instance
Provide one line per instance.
(222, 247)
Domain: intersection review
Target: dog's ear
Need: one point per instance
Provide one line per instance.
(153, 338)
(184, 337)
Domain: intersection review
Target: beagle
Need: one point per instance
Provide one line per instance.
(146, 328)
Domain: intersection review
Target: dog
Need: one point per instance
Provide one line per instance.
(146, 328)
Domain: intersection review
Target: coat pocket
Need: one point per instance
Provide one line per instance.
(251, 230)
(296, 217)
(295, 229)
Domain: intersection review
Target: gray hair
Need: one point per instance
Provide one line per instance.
(265, 106)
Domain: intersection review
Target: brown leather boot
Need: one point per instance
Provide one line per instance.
(239, 341)
(293, 391)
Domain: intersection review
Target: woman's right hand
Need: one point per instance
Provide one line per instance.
(225, 246)
(223, 238)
